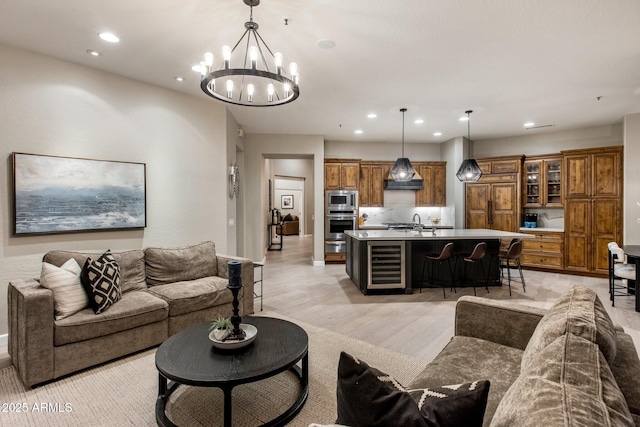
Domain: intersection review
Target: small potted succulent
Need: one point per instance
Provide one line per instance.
(221, 328)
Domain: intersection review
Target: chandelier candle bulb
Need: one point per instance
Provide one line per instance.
(253, 54)
(226, 55)
(250, 89)
(229, 88)
(203, 68)
(270, 92)
(208, 59)
(278, 58)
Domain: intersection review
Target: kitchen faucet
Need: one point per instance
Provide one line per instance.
(414, 218)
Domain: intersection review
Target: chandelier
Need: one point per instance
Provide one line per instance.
(469, 170)
(248, 80)
(402, 170)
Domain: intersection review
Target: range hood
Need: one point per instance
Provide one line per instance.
(414, 184)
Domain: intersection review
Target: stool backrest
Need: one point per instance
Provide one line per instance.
(479, 251)
(447, 252)
(515, 249)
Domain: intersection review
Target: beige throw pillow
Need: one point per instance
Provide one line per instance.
(69, 296)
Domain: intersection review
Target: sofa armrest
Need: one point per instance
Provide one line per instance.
(502, 322)
(246, 275)
(31, 314)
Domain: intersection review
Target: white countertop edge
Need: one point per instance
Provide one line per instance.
(453, 234)
(543, 229)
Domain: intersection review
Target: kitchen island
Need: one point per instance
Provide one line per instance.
(390, 261)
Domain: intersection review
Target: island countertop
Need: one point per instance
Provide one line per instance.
(441, 234)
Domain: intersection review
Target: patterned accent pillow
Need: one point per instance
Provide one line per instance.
(101, 281)
(453, 405)
(69, 296)
(369, 397)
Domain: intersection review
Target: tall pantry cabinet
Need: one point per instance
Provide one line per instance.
(494, 200)
(593, 207)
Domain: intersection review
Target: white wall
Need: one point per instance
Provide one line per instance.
(382, 151)
(49, 106)
(258, 149)
(537, 143)
(631, 180)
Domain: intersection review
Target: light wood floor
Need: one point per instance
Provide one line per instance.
(419, 325)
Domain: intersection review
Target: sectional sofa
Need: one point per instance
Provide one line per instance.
(163, 290)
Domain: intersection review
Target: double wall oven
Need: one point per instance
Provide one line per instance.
(341, 214)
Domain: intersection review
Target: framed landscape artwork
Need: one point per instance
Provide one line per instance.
(65, 195)
(287, 202)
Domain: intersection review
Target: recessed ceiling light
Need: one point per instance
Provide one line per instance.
(464, 119)
(109, 37)
(178, 79)
(358, 131)
(437, 134)
(529, 124)
(93, 52)
(419, 121)
(372, 115)
(326, 44)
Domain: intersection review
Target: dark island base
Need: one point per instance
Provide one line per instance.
(420, 248)
(357, 266)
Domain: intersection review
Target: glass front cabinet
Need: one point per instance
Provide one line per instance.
(542, 182)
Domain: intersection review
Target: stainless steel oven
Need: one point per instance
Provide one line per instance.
(341, 200)
(337, 223)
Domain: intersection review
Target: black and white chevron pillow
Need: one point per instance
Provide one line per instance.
(101, 281)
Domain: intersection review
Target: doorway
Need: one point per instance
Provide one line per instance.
(289, 197)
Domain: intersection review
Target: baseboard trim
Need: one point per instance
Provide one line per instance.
(317, 263)
(4, 340)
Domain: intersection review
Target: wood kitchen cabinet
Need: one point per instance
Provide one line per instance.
(371, 183)
(593, 207)
(434, 190)
(341, 174)
(544, 250)
(542, 179)
(494, 200)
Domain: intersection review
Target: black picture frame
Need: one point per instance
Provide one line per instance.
(286, 201)
(54, 194)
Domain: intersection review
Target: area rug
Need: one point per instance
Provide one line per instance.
(123, 392)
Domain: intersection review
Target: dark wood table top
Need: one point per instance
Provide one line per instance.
(631, 250)
(189, 357)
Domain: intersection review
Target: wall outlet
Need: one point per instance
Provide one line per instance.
(232, 222)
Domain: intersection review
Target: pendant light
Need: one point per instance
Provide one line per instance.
(402, 169)
(469, 170)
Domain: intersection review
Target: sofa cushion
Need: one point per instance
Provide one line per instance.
(467, 358)
(194, 295)
(68, 294)
(164, 266)
(101, 281)
(132, 271)
(567, 383)
(133, 310)
(580, 312)
(626, 370)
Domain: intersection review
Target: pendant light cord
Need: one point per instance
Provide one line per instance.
(468, 112)
(403, 110)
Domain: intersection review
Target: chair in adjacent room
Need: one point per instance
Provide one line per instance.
(505, 259)
(619, 270)
(475, 259)
(437, 259)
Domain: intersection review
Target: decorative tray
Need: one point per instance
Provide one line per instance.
(250, 331)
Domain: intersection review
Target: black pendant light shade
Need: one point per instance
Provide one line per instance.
(402, 169)
(469, 170)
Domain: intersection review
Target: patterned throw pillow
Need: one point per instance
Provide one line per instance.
(369, 397)
(68, 295)
(101, 281)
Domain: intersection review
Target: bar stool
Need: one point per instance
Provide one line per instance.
(619, 270)
(445, 255)
(515, 249)
(475, 258)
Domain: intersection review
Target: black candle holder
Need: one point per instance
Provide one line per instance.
(235, 284)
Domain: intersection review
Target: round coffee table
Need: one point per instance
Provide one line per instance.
(189, 357)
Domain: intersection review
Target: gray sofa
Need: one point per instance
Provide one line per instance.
(163, 292)
(566, 366)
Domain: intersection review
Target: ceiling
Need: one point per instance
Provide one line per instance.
(565, 63)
